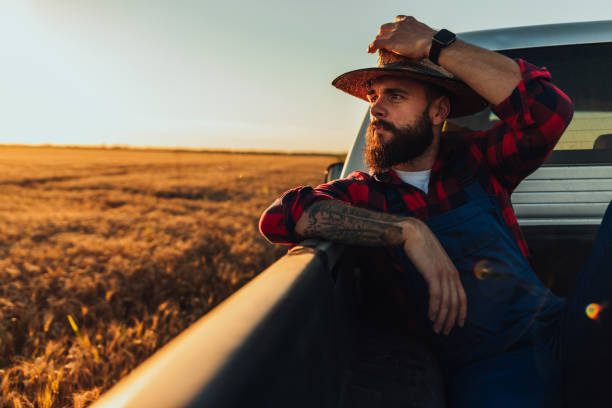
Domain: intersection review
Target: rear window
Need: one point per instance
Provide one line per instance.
(584, 73)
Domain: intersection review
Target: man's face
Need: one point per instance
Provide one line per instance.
(400, 127)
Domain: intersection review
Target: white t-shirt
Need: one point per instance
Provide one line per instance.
(418, 179)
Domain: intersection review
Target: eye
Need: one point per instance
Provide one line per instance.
(396, 97)
(372, 98)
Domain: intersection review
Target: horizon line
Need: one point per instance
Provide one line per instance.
(175, 149)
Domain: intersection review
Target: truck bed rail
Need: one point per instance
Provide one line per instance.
(268, 344)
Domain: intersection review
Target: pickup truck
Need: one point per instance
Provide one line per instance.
(295, 336)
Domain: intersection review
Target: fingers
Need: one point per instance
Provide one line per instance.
(406, 36)
(435, 296)
(453, 311)
(391, 26)
(377, 44)
(449, 300)
(385, 28)
(457, 305)
(462, 302)
(380, 41)
(444, 303)
(384, 33)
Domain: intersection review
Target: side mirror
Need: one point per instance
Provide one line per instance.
(333, 171)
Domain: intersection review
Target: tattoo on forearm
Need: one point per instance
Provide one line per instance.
(337, 221)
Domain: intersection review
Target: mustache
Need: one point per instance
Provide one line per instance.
(382, 124)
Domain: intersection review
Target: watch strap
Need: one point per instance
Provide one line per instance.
(439, 41)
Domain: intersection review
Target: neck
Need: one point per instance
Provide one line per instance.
(424, 161)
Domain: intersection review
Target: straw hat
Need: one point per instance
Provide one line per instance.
(464, 101)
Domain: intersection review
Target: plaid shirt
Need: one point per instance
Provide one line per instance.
(533, 118)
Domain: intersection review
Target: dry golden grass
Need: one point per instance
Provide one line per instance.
(106, 255)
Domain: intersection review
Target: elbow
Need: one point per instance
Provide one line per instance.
(264, 227)
(270, 222)
(283, 221)
(273, 225)
(553, 114)
(564, 110)
(565, 113)
(568, 112)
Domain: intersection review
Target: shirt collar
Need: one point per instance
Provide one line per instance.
(388, 176)
(391, 177)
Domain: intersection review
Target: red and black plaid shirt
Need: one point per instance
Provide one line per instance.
(533, 118)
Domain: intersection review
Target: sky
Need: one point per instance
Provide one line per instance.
(212, 74)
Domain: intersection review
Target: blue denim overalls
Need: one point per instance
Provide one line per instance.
(503, 356)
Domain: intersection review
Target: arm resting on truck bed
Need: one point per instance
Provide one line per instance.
(340, 222)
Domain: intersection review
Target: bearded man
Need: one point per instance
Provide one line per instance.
(435, 209)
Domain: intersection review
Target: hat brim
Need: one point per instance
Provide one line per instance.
(464, 101)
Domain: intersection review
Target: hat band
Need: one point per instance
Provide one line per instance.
(417, 68)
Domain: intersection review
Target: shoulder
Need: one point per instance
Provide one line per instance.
(454, 144)
(359, 176)
(354, 178)
(356, 188)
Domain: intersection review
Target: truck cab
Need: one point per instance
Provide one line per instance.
(297, 335)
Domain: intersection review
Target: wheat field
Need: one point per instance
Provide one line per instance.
(107, 254)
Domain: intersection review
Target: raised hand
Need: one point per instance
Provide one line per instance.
(406, 36)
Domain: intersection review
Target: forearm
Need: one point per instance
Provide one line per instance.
(492, 75)
(339, 222)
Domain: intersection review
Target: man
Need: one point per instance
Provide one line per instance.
(439, 208)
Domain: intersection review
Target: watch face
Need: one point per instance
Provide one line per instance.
(444, 36)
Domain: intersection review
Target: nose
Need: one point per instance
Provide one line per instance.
(377, 109)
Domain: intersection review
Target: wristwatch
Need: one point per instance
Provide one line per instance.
(440, 40)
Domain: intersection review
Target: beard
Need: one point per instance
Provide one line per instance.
(404, 144)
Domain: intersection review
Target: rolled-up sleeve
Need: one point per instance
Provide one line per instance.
(532, 119)
(277, 223)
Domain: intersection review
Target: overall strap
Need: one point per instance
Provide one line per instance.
(475, 192)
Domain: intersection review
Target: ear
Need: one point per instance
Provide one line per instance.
(439, 110)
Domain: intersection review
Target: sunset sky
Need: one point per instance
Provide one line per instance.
(211, 74)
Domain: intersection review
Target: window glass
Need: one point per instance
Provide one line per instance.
(584, 72)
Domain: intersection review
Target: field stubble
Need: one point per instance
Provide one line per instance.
(106, 255)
